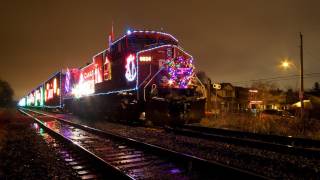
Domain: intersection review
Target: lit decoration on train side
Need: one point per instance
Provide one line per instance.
(51, 89)
(30, 99)
(131, 71)
(38, 97)
(89, 76)
(67, 81)
(22, 102)
(180, 70)
(72, 77)
(84, 87)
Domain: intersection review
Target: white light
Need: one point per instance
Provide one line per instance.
(110, 92)
(22, 102)
(131, 71)
(253, 90)
(55, 85)
(83, 88)
(128, 32)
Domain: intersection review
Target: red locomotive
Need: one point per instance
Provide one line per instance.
(142, 74)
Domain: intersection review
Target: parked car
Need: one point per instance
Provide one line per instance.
(274, 113)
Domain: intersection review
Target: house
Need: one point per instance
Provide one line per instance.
(231, 98)
(223, 99)
(241, 99)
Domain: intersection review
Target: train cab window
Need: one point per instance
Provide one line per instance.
(117, 49)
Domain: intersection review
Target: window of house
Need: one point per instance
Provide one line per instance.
(229, 93)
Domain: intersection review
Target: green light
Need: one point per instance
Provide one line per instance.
(41, 96)
(41, 132)
(36, 100)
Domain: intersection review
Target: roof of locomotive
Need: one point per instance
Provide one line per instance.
(146, 33)
(140, 34)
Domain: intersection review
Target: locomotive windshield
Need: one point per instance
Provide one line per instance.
(140, 43)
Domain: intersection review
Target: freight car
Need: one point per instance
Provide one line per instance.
(142, 75)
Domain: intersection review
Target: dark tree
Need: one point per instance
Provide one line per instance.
(291, 97)
(203, 77)
(316, 87)
(6, 94)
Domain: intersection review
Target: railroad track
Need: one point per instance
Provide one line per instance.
(281, 144)
(126, 158)
(83, 162)
(83, 167)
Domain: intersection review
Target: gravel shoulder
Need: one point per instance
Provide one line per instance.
(24, 154)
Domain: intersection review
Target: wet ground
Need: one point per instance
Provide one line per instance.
(25, 155)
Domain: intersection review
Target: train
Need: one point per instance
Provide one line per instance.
(142, 75)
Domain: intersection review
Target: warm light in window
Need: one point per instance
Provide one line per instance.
(253, 90)
(54, 85)
(50, 94)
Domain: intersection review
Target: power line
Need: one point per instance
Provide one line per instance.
(311, 55)
(270, 80)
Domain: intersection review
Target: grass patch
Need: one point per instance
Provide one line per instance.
(276, 125)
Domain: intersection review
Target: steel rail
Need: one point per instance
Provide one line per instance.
(288, 145)
(108, 170)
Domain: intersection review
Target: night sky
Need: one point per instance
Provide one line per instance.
(232, 41)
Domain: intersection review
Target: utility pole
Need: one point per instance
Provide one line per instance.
(301, 76)
(209, 95)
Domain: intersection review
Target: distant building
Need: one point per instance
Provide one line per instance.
(231, 98)
(242, 98)
(223, 99)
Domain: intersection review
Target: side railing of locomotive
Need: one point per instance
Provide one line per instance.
(166, 73)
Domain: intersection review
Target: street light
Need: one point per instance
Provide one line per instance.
(287, 64)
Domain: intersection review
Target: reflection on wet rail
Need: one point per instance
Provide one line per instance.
(81, 165)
